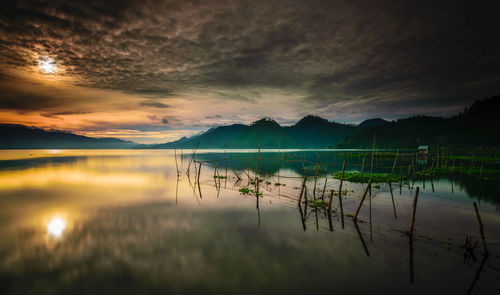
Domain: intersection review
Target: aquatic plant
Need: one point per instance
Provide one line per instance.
(359, 177)
(476, 172)
(247, 191)
(317, 204)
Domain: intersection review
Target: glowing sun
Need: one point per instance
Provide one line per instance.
(47, 66)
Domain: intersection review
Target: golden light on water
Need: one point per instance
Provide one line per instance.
(56, 227)
(47, 66)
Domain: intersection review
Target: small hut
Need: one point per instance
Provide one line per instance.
(423, 150)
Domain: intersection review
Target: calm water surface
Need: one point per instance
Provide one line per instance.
(121, 221)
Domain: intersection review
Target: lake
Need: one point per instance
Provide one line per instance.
(136, 222)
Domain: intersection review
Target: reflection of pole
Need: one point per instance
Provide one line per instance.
(199, 188)
(330, 220)
(176, 189)
(481, 229)
(302, 189)
(413, 211)
(302, 217)
(476, 277)
(361, 238)
(412, 276)
(393, 203)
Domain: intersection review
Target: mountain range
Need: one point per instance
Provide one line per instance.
(475, 126)
(308, 132)
(13, 136)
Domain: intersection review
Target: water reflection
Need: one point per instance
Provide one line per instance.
(139, 225)
(56, 227)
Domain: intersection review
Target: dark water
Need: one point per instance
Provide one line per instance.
(121, 222)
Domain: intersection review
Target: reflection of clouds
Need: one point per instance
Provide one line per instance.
(63, 175)
(166, 246)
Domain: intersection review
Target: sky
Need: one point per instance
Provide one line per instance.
(154, 71)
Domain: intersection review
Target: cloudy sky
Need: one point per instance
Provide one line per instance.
(153, 71)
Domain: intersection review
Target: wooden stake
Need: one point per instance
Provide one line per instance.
(330, 200)
(324, 188)
(394, 165)
(340, 193)
(355, 217)
(176, 166)
(316, 177)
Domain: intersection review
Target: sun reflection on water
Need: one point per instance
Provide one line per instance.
(56, 227)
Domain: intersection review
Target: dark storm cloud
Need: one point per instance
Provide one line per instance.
(154, 104)
(393, 55)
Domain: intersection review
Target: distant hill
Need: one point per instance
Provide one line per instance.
(372, 123)
(314, 132)
(22, 137)
(218, 137)
(476, 126)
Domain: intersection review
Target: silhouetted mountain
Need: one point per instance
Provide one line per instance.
(316, 132)
(476, 126)
(266, 132)
(309, 132)
(23, 137)
(372, 123)
(218, 137)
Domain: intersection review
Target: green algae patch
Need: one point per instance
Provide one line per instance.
(361, 177)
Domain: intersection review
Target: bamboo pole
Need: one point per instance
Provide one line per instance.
(394, 164)
(362, 200)
(316, 176)
(413, 212)
(340, 193)
(324, 188)
(176, 165)
(330, 200)
(373, 152)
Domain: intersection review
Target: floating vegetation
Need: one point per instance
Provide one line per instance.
(219, 176)
(277, 184)
(317, 204)
(268, 182)
(360, 177)
(247, 191)
(477, 172)
(377, 186)
(349, 215)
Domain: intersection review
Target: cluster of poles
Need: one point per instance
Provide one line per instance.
(437, 161)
